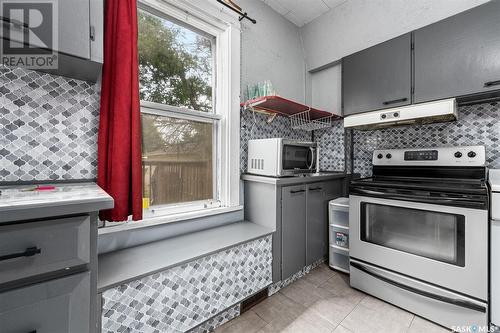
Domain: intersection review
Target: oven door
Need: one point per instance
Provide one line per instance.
(297, 158)
(442, 245)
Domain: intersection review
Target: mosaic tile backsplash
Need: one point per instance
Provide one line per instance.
(219, 320)
(48, 127)
(181, 298)
(477, 125)
(254, 126)
(331, 147)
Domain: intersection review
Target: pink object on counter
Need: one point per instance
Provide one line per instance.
(45, 188)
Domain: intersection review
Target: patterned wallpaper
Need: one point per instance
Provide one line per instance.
(48, 126)
(477, 125)
(188, 296)
(255, 126)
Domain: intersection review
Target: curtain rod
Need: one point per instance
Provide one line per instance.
(242, 15)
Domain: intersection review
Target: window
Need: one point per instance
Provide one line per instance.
(188, 131)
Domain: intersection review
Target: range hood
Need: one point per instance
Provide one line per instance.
(424, 113)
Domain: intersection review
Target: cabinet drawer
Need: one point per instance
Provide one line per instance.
(339, 259)
(339, 236)
(54, 245)
(57, 306)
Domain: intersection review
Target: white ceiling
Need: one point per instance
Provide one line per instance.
(301, 12)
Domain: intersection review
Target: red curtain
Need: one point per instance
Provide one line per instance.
(119, 141)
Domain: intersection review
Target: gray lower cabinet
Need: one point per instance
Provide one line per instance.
(304, 224)
(293, 215)
(318, 196)
(378, 77)
(296, 208)
(48, 276)
(56, 306)
(459, 55)
(54, 244)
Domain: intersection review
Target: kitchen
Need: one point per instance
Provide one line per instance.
(249, 166)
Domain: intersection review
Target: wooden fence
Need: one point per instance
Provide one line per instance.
(166, 182)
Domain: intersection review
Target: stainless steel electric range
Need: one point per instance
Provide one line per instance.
(419, 233)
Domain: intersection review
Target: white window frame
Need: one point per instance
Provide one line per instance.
(225, 27)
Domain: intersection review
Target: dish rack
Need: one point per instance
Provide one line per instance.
(302, 117)
(303, 121)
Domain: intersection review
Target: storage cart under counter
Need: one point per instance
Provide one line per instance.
(338, 211)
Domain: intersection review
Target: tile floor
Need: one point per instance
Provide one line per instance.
(323, 301)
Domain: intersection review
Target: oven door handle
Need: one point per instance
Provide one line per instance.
(435, 200)
(444, 299)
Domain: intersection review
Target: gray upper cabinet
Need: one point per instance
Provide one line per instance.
(80, 35)
(378, 77)
(293, 230)
(74, 28)
(459, 56)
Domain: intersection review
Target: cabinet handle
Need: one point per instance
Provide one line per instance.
(492, 83)
(316, 189)
(394, 101)
(29, 252)
(92, 33)
(297, 191)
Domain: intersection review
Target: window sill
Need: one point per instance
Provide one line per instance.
(155, 221)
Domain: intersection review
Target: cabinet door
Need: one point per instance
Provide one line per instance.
(317, 225)
(56, 306)
(293, 226)
(74, 27)
(378, 77)
(459, 55)
(97, 30)
(318, 196)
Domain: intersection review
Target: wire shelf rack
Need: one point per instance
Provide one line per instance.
(303, 121)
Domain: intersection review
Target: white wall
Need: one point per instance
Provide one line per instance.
(359, 24)
(271, 50)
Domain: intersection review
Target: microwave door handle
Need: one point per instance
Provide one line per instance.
(310, 165)
(441, 298)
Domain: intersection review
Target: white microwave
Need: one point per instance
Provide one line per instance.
(280, 157)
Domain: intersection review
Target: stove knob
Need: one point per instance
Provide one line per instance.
(471, 154)
(379, 156)
(388, 156)
(458, 154)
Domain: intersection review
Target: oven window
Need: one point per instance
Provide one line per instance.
(434, 235)
(296, 157)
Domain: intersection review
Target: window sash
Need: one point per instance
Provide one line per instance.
(199, 116)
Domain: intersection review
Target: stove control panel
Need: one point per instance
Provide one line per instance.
(421, 155)
(447, 156)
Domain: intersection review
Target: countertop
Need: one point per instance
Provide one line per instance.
(310, 178)
(17, 203)
(116, 268)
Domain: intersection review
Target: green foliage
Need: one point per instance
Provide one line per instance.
(175, 64)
